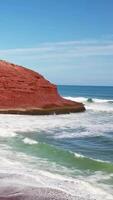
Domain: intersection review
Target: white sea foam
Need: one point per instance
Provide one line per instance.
(23, 176)
(16, 169)
(101, 107)
(61, 126)
(20, 173)
(29, 141)
(84, 99)
(58, 126)
(104, 105)
(79, 99)
(25, 169)
(5, 133)
(79, 155)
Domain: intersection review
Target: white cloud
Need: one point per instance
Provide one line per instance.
(62, 50)
(68, 62)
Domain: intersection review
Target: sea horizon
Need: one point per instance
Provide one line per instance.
(84, 85)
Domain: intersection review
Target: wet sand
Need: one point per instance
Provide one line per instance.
(14, 193)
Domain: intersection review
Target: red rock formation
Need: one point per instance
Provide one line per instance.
(24, 91)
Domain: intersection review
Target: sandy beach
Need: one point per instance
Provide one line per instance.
(15, 193)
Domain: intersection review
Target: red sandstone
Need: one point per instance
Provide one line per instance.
(24, 91)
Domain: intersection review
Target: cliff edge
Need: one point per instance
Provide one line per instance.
(23, 91)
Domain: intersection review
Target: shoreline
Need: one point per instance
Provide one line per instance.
(35, 193)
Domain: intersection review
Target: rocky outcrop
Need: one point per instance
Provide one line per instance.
(23, 91)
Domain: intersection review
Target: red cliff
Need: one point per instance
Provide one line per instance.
(23, 91)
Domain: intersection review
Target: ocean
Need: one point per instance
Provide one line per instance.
(72, 152)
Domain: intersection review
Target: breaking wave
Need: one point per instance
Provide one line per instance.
(94, 103)
(63, 157)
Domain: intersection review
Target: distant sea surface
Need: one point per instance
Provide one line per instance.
(72, 152)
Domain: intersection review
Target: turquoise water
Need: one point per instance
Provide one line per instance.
(73, 153)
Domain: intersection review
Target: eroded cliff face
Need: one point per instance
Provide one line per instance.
(21, 88)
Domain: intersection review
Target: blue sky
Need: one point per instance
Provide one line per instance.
(68, 41)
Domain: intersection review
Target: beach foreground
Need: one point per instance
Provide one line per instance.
(15, 193)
